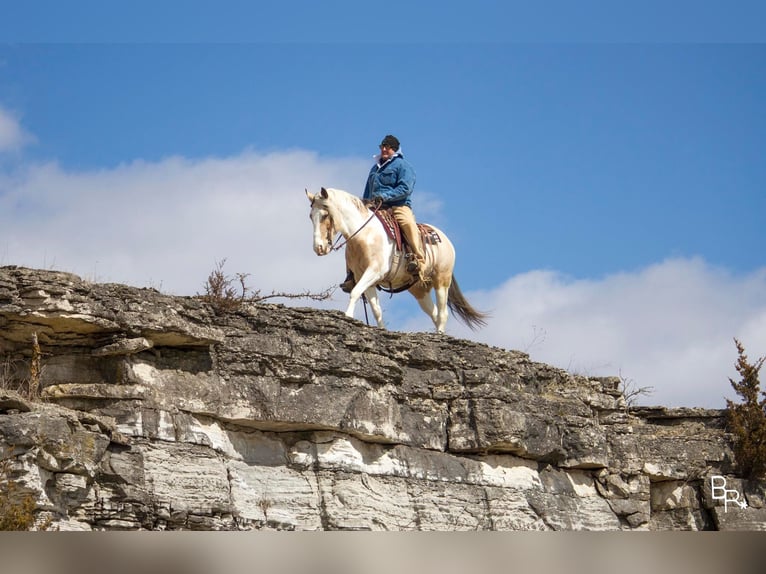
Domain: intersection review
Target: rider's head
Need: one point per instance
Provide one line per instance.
(390, 142)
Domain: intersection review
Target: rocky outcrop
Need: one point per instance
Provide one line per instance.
(158, 413)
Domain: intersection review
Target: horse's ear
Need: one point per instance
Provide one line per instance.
(310, 196)
(324, 193)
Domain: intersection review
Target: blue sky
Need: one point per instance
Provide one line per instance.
(606, 198)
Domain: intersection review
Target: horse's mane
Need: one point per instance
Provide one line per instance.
(355, 201)
(359, 204)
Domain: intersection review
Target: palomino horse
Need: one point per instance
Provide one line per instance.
(373, 258)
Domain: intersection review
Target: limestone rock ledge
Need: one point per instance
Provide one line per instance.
(158, 413)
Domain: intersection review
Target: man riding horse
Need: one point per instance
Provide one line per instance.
(390, 184)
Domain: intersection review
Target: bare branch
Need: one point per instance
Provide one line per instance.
(321, 296)
(224, 296)
(631, 391)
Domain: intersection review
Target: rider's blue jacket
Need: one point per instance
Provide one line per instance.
(392, 181)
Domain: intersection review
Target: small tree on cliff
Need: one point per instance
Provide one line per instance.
(747, 420)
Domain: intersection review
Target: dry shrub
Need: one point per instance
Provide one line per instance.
(17, 510)
(226, 293)
(13, 373)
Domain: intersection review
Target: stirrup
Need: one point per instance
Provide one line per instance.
(413, 265)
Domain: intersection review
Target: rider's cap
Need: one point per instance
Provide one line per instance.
(390, 141)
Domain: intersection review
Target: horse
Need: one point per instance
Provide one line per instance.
(375, 261)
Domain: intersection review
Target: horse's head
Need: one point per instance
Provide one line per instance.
(324, 226)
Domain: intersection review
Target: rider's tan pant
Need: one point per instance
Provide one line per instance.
(406, 220)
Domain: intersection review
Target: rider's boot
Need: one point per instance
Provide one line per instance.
(348, 283)
(416, 268)
(412, 264)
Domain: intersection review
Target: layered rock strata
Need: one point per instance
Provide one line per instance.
(156, 412)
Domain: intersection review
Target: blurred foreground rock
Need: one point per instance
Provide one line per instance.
(158, 413)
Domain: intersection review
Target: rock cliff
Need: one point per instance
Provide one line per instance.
(156, 412)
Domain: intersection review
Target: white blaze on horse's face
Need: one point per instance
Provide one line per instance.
(323, 229)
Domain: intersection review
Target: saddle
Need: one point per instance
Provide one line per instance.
(428, 234)
(403, 251)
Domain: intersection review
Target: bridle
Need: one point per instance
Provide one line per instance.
(336, 245)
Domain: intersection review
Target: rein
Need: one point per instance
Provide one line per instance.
(336, 246)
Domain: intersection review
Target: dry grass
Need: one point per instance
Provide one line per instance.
(22, 377)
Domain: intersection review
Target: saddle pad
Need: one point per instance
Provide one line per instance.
(386, 217)
(427, 233)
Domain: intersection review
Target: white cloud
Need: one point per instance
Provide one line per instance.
(165, 224)
(669, 326)
(12, 136)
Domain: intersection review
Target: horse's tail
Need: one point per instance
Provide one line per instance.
(458, 304)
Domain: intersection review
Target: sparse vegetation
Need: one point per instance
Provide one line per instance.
(538, 338)
(11, 376)
(220, 290)
(7, 369)
(35, 370)
(265, 504)
(747, 420)
(17, 510)
(226, 293)
(631, 391)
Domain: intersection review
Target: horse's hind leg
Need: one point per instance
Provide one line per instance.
(442, 312)
(423, 297)
(427, 304)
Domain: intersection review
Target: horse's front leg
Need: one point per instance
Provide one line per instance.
(368, 280)
(377, 312)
